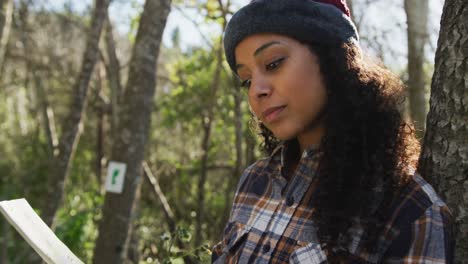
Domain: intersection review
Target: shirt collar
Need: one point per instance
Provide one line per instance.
(279, 153)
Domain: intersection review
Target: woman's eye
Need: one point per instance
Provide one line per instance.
(273, 65)
(246, 83)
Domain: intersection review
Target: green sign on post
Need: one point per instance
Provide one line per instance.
(115, 176)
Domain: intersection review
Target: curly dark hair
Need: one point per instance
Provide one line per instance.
(368, 147)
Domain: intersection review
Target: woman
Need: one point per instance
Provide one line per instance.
(339, 184)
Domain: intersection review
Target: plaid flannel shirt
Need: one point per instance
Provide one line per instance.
(271, 221)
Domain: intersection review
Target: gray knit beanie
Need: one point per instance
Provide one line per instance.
(324, 22)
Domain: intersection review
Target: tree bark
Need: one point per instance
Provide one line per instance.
(6, 17)
(416, 14)
(113, 74)
(444, 159)
(70, 132)
(134, 123)
(133, 252)
(101, 106)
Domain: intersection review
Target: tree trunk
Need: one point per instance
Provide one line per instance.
(416, 15)
(230, 188)
(113, 74)
(6, 17)
(444, 159)
(207, 122)
(47, 115)
(72, 124)
(239, 132)
(101, 106)
(134, 123)
(42, 108)
(133, 252)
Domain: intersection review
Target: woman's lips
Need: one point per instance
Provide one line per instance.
(272, 113)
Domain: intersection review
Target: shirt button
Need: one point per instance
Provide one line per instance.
(266, 247)
(290, 201)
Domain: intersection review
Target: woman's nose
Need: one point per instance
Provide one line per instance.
(260, 88)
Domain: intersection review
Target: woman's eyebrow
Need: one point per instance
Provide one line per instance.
(259, 50)
(265, 46)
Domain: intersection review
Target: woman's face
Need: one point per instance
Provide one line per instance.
(285, 87)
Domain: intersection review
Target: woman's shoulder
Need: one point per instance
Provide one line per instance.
(257, 168)
(428, 191)
(417, 200)
(421, 224)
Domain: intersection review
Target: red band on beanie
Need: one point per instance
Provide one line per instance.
(340, 4)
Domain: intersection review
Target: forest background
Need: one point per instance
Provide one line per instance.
(83, 83)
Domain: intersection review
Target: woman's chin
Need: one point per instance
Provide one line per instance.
(283, 135)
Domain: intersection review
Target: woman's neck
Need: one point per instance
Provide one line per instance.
(292, 155)
(311, 138)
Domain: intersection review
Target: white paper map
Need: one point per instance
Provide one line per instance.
(38, 235)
